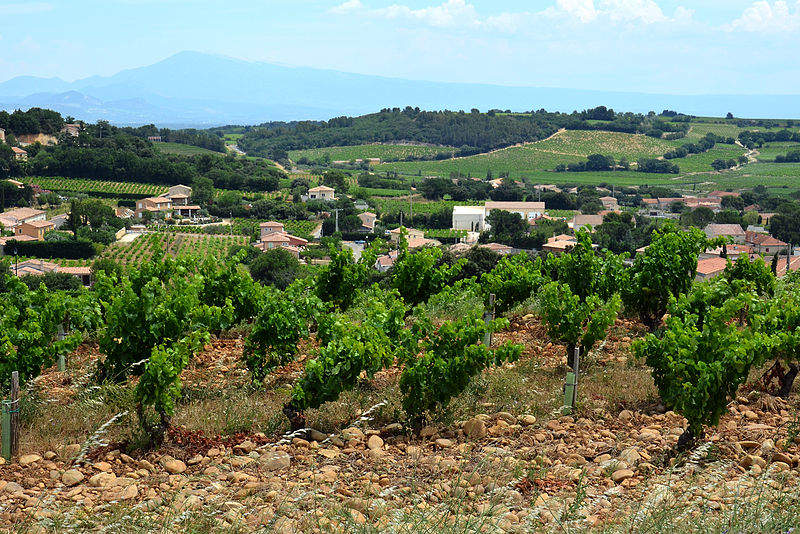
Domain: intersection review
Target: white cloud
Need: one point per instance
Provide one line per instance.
(583, 10)
(350, 6)
(459, 13)
(27, 8)
(765, 17)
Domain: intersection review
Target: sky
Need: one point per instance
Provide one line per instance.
(652, 46)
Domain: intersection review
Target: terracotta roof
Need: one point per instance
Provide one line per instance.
(417, 242)
(320, 189)
(271, 224)
(582, 220)
(78, 271)
(530, 206)
(721, 194)
(18, 150)
(275, 237)
(710, 266)
(22, 213)
(40, 224)
(715, 230)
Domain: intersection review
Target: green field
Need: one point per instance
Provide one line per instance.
(202, 246)
(384, 152)
(769, 151)
(183, 149)
(526, 160)
(106, 187)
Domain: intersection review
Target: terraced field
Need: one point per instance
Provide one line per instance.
(105, 187)
(384, 152)
(526, 160)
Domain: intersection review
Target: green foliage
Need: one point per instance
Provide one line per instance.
(230, 282)
(157, 304)
(282, 321)
(339, 281)
(587, 273)
(160, 383)
(275, 267)
(753, 272)
(352, 349)
(666, 269)
(417, 275)
(29, 322)
(573, 321)
(513, 280)
(699, 363)
(452, 356)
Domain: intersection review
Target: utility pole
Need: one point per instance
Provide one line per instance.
(337, 210)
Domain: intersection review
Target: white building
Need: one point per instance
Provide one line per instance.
(473, 218)
(470, 218)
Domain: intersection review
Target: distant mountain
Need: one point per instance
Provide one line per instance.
(194, 89)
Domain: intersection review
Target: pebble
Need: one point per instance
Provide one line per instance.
(475, 428)
(275, 461)
(71, 477)
(374, 442)
(621, 474)
(28, 459)
(174, 467)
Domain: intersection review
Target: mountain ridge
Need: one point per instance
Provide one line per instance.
(197, 89)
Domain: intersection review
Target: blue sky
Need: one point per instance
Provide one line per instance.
(664, 46)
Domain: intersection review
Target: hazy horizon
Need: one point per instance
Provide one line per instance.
(657, 47)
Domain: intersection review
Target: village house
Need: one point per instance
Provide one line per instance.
(21, 215)
(71, 129)
(609, 203)
(497, 248)
(470, 218)
(179, 194)
(152, 205)
(367, 221)
(725, 230)
(19, 153)
(559, 244)
(764, 243)
(2, 135)
(581, 222)
(710, 267)
(473, 218)
(733, 251)
(411, 233)
(34, 229)
(41, 267)
(273, 236)
(321, 192)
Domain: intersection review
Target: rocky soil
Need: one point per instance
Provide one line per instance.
(504, 472)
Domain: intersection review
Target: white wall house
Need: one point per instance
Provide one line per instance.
(473, 218)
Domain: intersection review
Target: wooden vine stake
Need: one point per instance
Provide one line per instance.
(14, 423)
(488, 316)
